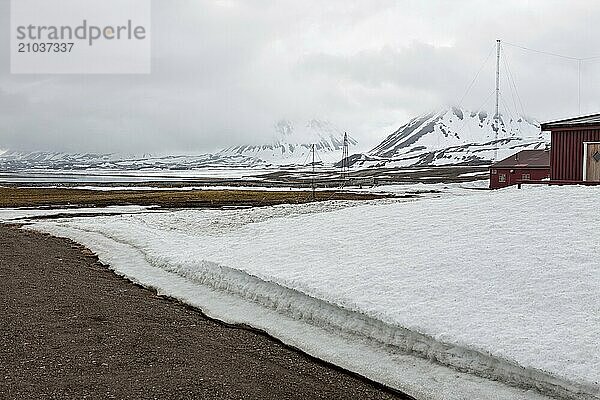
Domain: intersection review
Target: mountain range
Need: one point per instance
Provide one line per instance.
(292, 142)
(446, 137)
(16, 160)
(454, 136)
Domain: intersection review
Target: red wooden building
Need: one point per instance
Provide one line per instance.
(525, 166)
(575, 149)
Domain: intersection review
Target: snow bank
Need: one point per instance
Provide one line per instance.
(14, 214)
(501, 285)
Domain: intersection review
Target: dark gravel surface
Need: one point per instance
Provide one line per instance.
(72, 329)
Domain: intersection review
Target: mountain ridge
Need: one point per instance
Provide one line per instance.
(291, 143)
(453, 136)
(17, 160)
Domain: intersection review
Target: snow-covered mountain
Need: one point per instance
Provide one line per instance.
(451, 136)
(15, 160)
(454, 136)
(291, 144)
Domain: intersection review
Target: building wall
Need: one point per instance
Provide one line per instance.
(515, 175)
(566, 155)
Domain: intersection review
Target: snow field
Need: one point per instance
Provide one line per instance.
(419, 377)
(502, 285)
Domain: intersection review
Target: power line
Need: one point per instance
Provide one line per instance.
(580, 61)
(476, 76)
(512, 117)
(511, 87)
(549, 53)
(509, 112)
(345, 161)
(490, 96)
(304, 163)
(590, 58)
(512, 81)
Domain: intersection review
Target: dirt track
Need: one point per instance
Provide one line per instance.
(70, 328)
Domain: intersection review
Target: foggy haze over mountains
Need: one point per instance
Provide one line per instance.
(224, 72)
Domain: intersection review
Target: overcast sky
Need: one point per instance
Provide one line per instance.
(223, 72)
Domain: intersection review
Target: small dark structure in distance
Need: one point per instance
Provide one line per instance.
(525, 166)
(575, 157)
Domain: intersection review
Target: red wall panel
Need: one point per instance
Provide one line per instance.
(566, 158)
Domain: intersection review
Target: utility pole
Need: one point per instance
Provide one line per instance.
(345, 161)
(313, 171)
(497, 113)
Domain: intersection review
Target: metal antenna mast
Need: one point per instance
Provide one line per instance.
(345, 161)
(312, 147)
(497, 113)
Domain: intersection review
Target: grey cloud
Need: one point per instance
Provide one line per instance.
(224, 72)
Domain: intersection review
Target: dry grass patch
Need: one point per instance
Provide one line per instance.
(38, 197)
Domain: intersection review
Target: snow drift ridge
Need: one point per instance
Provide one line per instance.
(294, 303)
(342, 320)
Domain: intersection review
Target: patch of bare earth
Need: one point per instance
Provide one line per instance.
(72, 329)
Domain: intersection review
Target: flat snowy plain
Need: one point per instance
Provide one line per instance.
(430, 296)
